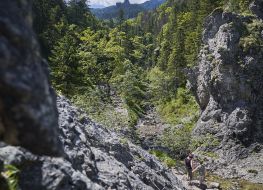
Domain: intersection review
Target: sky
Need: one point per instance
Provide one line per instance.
(112, 2)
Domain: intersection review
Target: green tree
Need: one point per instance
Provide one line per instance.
(178, 140)
(94, 58)
(64, 62)
(46, 15)
(78, 13)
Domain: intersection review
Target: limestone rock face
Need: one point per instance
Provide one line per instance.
(227, 84)
(28, 114)
(107, 159)
(228, 81)
(95, 158)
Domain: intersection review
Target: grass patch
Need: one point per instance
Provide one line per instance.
(225, 184)
(124, 142)
(100, 110)
(164, 157)
(139, 158)
(246, 185)
(210, 57)
(230, 184)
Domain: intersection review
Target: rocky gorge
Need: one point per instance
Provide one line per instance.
(56, 146)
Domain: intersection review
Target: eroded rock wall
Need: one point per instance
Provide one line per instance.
(228, 86)
(228, 81)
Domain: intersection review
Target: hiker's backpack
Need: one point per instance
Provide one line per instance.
(187, 163)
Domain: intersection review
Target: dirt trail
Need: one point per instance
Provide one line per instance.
(150, 129)
(208, 185)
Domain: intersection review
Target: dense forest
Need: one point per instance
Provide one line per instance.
(142, 61)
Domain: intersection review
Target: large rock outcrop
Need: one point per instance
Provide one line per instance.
(28, 114)
(228, 86)
(95, 158)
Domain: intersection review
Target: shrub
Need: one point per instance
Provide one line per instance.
(178, 140)
(206, 141)
(209, 154)
(252, 38)
(180, 110)
(11, 175)
(248, 42)
(238, 6)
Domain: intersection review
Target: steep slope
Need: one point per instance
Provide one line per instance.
(130, 10)
(95, 158)
(228, 87)
(91, 157)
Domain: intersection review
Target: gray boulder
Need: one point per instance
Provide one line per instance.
(28, 114)
(44, 173)
(108, 159)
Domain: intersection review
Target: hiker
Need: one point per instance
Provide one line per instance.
(189, 166)
(201, 171)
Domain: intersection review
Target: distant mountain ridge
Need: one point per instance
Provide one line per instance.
(130, 10)
(97, 6)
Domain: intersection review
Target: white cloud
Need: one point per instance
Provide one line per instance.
(112, 2)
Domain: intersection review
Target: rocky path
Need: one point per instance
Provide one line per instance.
(150, 128)
(195, 183)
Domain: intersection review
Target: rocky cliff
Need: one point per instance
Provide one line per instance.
(95, 158)
(228, 87)
(88, 155)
